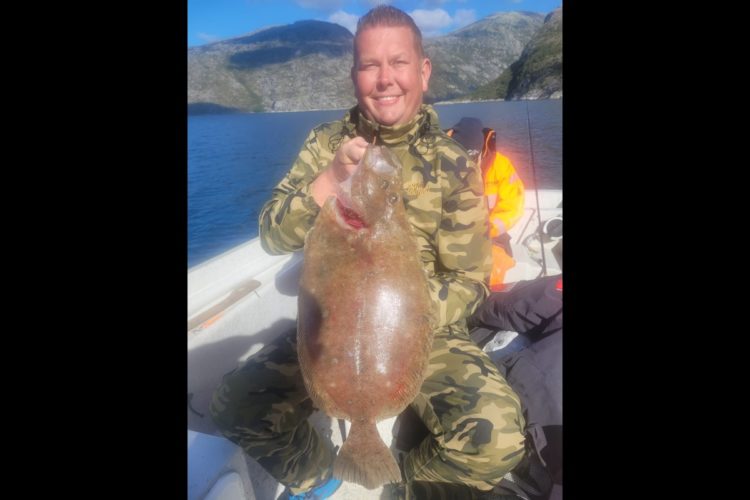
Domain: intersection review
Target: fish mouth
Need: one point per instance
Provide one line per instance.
(349, 217)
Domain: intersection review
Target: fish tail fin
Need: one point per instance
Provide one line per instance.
(365, 459)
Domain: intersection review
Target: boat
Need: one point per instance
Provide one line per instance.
(244, 298)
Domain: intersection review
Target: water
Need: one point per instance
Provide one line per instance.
(234, 161)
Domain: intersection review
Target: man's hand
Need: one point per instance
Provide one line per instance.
(343, 165)
(348, 157)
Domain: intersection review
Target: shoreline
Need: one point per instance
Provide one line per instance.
(438, 103)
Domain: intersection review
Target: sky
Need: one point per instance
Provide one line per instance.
(214, 20)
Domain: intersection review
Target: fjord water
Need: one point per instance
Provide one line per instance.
(235, 160)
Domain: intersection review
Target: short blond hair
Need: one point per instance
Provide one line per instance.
(385, 15)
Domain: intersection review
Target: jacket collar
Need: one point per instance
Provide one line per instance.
(425, 122)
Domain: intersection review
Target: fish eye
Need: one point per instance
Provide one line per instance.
(392, 198)
(384, 184)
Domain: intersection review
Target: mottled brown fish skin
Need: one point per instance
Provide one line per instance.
(364, 328)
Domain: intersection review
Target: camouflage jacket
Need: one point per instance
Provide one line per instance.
(443, 194)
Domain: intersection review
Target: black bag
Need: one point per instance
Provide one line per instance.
(534, 310)
(535, 373)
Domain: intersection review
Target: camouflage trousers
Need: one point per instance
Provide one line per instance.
(474, 417)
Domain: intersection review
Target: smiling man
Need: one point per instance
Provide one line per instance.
(474, 418)
(390, 73)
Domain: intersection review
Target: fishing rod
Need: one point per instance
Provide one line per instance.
(536, 193)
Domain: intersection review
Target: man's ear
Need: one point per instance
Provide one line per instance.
(426, 71)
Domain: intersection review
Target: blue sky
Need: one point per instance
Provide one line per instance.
(214, 20)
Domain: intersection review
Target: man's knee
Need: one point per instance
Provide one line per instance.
(223, 407)
(476, 457)
(259, 401)
(490, 462)
(487, 442)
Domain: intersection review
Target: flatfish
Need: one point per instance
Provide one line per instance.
(364, 327)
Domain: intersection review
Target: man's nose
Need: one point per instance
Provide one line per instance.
(385, 76)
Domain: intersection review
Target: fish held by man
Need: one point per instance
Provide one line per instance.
(364, 327)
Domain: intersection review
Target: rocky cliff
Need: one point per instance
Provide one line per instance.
(537, 74)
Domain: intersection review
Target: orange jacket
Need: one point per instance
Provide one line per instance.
(505, 193)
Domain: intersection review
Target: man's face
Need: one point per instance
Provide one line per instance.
(388, 74)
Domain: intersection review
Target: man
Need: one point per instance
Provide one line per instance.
(503, 190)
(474, 417)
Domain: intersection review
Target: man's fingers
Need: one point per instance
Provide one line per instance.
(349, 154)
(359, 142)
(354, 149)
(348, 157)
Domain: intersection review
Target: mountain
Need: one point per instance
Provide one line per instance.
(464, 60)
(537, 74)
(305, 65)
(283, 68)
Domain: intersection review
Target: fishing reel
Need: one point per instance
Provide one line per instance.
(552, 228)
(551, 232)
(549, 238)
